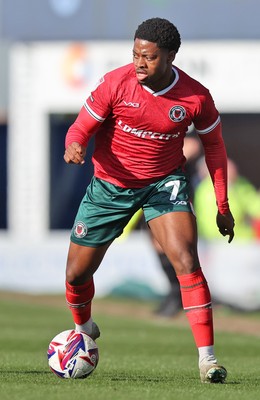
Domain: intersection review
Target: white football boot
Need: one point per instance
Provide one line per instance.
(211, 372)
(95, 331)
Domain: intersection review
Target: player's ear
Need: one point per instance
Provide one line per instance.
(171, 56)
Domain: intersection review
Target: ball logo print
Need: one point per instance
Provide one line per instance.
(177, 113)
(72, 354)
(80, 230)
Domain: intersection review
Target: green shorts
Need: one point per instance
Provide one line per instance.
(106, 208)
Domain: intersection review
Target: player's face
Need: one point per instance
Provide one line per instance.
(153, 65)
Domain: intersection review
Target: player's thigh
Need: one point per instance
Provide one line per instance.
(83, 261)
(103, 213)
(176, 232)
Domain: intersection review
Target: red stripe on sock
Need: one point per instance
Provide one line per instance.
(196, 301)
(79, 299)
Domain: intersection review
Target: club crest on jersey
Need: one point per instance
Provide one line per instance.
(80, 229)
(177, 113)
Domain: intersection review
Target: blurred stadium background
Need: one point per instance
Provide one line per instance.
(52, 52)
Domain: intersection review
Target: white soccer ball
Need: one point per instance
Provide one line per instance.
(72, 354)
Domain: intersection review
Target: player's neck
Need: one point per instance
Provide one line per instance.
(166, 82)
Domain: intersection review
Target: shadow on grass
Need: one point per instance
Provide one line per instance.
(121, 377)
(116, 377)
(24, 372)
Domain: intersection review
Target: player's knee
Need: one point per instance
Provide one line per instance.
(186, 262)
(74, 276)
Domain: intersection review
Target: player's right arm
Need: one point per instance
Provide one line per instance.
(93, 113)
(75, 153)
(78, 136)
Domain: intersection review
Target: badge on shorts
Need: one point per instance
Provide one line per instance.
(80, 229)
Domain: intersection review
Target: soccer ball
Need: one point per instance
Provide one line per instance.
(72, 354)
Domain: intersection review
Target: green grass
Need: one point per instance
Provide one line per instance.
(139, 359)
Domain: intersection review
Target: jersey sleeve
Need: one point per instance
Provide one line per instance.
(207, 116)
(216, 160)
(99, 103)
(93, 113)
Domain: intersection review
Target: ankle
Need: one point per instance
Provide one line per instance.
(206, 355)
(86, 327)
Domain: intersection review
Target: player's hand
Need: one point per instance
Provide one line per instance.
(75, 153)
(226, 223)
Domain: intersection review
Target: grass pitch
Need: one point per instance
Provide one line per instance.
(139, 358)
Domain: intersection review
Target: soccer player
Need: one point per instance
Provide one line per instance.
(139, 114)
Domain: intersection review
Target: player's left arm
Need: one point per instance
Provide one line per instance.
(216, 160)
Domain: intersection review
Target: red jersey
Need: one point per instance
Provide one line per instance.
(139, 133)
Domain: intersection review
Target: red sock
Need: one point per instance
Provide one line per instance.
(196, 302)
(79, 301)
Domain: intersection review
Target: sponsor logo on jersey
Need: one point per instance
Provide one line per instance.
(80, 230)
(147, 134)
(130, 104)
(177, 113)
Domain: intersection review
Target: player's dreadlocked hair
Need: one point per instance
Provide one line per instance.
(159, 31)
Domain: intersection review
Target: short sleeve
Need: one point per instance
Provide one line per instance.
(98, 104)
(207, 117)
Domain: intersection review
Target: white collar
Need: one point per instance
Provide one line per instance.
(161, 92)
